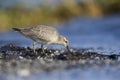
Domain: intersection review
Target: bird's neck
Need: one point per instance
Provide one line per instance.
(59, 41)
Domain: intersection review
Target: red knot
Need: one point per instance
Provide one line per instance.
(43, 34)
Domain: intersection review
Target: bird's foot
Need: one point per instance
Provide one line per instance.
(43, 50)
(35, 52)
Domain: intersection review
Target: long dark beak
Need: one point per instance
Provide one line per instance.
(68, 49)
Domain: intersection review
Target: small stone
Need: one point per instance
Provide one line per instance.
(23, 72)
(20, 57)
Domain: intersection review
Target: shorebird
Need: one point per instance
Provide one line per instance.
(43, 34)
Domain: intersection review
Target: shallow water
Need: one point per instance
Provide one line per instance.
(55, 70)
(98, 34)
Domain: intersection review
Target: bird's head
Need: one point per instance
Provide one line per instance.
(63, 41)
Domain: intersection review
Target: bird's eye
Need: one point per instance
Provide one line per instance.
(66, 41)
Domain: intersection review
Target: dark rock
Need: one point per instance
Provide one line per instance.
(11, 51)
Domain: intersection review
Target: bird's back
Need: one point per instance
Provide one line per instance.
(40, 32)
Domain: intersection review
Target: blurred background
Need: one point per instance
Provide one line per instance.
(87, 23)
(91, 24)
(15, 13)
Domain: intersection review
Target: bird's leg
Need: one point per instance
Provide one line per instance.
(34, 48)
(42, 48)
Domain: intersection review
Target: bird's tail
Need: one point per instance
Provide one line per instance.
(16, 29)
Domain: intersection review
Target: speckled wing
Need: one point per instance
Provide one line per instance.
(41, 33)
